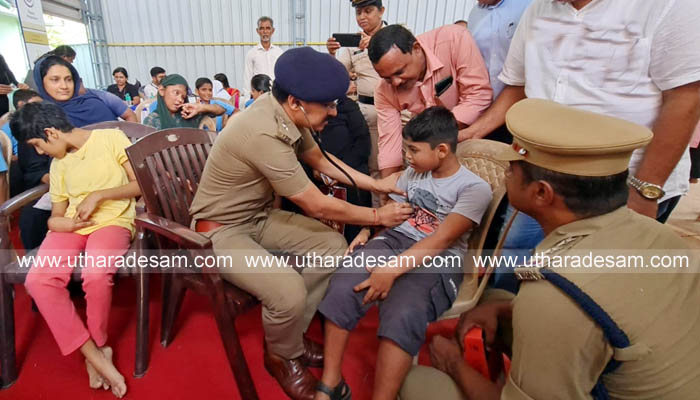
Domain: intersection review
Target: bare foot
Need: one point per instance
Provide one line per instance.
(96, 380)
(101, 360)
(111, 375)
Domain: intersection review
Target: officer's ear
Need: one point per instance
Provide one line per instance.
(544, 194)
(293, 103)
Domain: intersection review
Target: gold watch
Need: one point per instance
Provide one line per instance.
(647, 190)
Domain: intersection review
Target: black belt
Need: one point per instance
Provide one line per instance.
(366, 99)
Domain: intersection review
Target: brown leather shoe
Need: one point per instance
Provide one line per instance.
(296, 381)
(313, 354)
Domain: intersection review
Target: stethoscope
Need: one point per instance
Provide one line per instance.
(317, 139)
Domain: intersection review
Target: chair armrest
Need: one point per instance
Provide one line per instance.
(140, 206)
(173, 231)
(10, 206)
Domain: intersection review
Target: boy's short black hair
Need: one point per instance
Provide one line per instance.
(388, 37)
(201, 82)
(23, 95)
(435, 125)
(30, 121)
(156, 70)
(63, 51)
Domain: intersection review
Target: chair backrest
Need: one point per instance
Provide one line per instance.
(208, 123)
(132, 130)
(231, 101)
(142, 109)
(168, 166)
(479, 156)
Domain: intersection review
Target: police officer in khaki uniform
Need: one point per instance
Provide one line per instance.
(256, 156)
(587, 332)
(369, 15)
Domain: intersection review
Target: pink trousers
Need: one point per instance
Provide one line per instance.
(58, 255)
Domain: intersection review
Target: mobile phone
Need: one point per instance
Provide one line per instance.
(348, 39)
(442, 86)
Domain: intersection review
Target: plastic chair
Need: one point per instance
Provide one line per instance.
(479, 156)
(142, 109)
(168, 166)
(208, 124)
(12, 274)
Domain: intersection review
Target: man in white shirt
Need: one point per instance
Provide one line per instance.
(262, 58)
(637, 60)
(150, 91)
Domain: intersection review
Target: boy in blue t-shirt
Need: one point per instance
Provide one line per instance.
(394, 267)
(19, 99)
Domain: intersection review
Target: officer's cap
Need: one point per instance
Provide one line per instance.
(311, 76)
(365, 3)
(570, 140)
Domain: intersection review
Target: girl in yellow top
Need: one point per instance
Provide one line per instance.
(92, 193)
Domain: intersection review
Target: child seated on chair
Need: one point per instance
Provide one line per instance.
(33, 170)
(205, 90)
(394, 267)
(92, 188)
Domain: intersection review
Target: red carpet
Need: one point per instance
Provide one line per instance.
(193, 366)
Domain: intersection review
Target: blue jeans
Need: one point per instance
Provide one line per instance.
(524, 235)
(666, 207)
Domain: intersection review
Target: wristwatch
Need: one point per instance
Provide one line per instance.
(647, 190)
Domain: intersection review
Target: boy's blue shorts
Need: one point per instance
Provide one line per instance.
(417, 297)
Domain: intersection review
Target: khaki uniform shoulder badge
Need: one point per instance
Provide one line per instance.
(283, 131)
(531, 270)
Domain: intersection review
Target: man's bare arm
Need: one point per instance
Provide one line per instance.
(673, 130)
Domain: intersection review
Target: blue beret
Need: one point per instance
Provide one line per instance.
(311, 76)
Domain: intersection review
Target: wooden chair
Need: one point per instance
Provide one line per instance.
(12, 274)
(479, 156)
(168, 166)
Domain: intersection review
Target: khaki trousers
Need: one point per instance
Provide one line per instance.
(429, 383)
(289, 298)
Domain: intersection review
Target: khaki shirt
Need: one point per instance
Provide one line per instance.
(253, 157)
(559, 352)
(356, 60)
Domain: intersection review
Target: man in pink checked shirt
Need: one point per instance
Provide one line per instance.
(441, 67)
